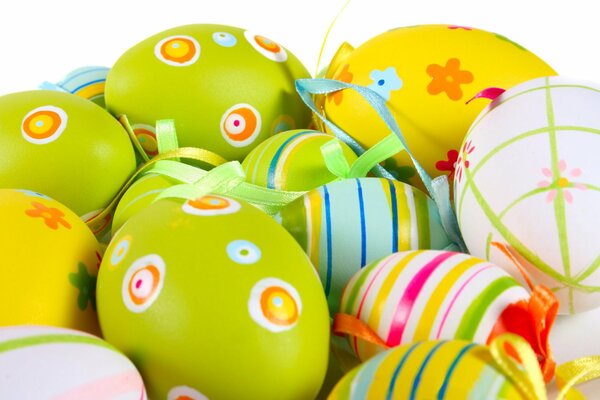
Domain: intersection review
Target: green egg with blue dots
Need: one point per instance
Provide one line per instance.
(212, 297)
(227, 88)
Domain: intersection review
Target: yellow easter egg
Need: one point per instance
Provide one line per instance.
(50, 260)
(426, 74)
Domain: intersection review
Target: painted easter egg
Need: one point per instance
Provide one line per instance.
(429, 295)
(250, 94)
(63, 146)
(51, 260)
(344, 225)
(528, 177)
(426, 73)
(198, 299)
(40, 362)
(454, 369)
(292, 160)
(86, 82)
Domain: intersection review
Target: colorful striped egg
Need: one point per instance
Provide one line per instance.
(86, 82)
(344, 225)
(428, 295)
(528, 176)
(292, 160)
(454, 369)
(38, 362)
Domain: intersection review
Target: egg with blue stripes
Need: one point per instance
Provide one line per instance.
(431, 295)
(344, 225)
(292, 160)
(41, 362)
(455, 369)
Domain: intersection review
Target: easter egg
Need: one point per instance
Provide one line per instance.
(425, 73)
(86, 82)
(454, 369)
(344, 225)
(528, 177)
(40, 362)
(292, 160)
(227, 89)
(63, 146)
(203, 293)
(50, 263)
(429, 295)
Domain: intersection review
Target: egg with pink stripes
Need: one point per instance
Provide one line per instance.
(40, 362)
(428, 295)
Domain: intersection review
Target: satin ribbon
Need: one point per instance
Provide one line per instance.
(575, 372)
(490, 93)
(438, 188)
(327, 35)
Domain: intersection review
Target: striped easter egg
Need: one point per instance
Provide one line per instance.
(454, 369)
(292, 160)
(427, 295)
(86, 82)
(344, 225)
(39, 362)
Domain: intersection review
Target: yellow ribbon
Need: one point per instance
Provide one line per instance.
(526, 375)
(575, 372)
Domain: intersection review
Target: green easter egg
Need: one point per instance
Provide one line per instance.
(214, 298)
(63, 146)
(226, 88)
(347, 224)
(292, 160)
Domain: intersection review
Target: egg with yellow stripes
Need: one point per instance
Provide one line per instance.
(205, 292)
(292, 160)
(425, 73)
(42, 362)
(345, 225)
(429, 295)
(226, 88)
(455, 369)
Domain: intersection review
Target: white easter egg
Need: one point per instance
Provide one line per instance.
(528, 175)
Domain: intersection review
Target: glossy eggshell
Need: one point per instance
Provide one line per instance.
(63, 146)
(292, 160)
(51, 260)
(453, 369)
(204, 293)
(426, 73)
(528, 177)
(41, 362)
(344, 225)
(226, 88)
(427, 295)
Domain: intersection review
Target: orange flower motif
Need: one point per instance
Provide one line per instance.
(345, 76)
(448, 79)
(52, 216)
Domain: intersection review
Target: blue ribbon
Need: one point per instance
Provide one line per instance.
(438, 188)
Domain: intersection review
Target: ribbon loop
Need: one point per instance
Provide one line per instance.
(575, 372)
(333, 155)
(346, 324)
(166, 135)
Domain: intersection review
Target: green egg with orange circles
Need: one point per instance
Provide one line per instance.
(63, 146)
(204, 293)
(227, 89)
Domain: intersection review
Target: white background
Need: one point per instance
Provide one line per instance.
(44, 40)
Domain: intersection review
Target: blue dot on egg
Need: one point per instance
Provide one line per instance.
(381, 82)
(224, 39)
(277, 301)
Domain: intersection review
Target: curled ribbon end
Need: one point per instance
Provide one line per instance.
(346, 324)
(532, 320)
(490, 93)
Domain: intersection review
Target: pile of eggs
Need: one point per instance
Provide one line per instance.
(132, 271)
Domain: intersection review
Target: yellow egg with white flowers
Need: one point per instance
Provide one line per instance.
(426, 74)
(49, 265)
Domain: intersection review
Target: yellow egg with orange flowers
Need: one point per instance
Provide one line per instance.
(426, 74)
(49, 265)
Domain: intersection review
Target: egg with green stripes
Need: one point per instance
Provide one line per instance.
(212, 297)
(529, 177)
(344, 225)
(41, 362)
(430, 295)
(455, 369)
(292, 160)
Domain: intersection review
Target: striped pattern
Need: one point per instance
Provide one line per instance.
(427, 370)
(347, 224)
(426, 295)
(87, 82)
(291, 160)
(46, 356)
